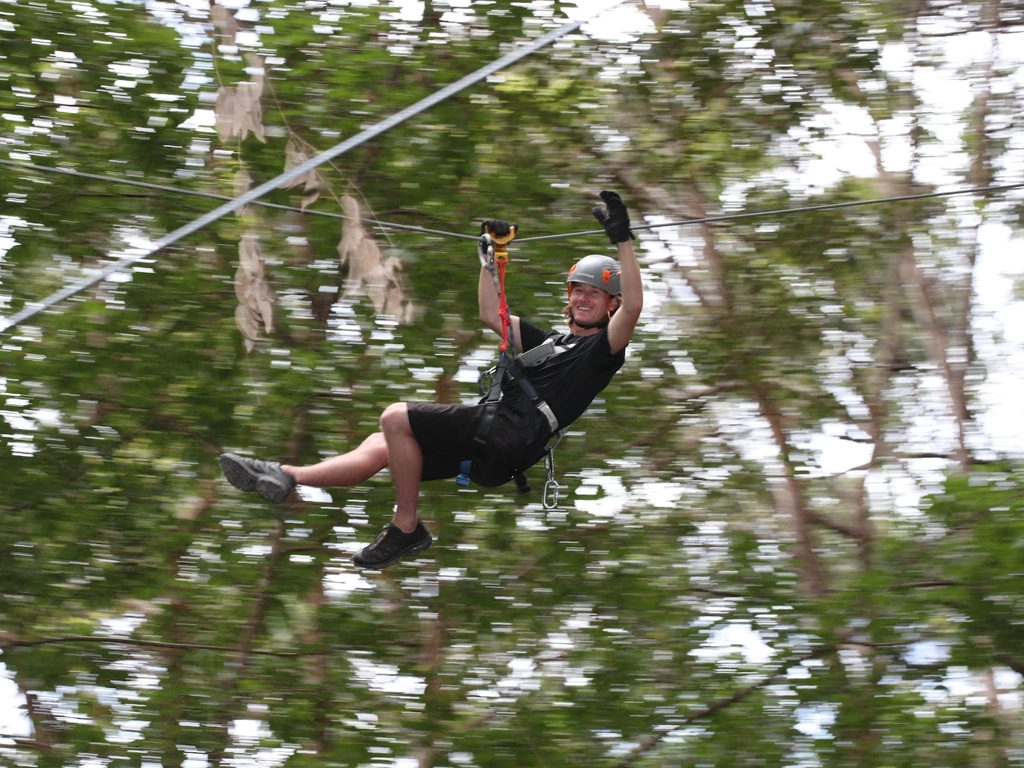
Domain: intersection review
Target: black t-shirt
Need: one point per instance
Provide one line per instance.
(569, 382)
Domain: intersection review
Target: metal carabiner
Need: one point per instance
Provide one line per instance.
(489, 377)
(485, 250)
(550, 498)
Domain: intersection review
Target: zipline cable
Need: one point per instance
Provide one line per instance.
(138, 254)
(787, 211)
(536, 238)
(215, 196)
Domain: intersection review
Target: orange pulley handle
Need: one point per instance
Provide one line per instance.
(500, 243)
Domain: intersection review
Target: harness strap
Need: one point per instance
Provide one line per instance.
(483, 434)
(483, 430)
(544, 350)
(528, 389)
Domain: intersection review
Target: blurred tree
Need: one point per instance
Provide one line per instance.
(711, 593)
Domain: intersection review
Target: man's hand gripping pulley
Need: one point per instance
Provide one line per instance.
(495, 235)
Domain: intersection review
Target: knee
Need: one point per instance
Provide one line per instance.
(395, 419)
(377, 446)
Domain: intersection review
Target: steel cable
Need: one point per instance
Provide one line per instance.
(788, 211)
(215, 196)
(136, 255)
(566, 235)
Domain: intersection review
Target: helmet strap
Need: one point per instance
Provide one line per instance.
(588, 326)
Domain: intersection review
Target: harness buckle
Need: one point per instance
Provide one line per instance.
(487, 379)
(544, 408)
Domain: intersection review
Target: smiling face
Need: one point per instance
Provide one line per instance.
(589, 305)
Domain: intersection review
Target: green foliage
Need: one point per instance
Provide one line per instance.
(707, 595)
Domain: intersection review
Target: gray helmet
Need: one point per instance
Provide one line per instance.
(600, 271)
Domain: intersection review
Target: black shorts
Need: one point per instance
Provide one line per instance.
(447, 437)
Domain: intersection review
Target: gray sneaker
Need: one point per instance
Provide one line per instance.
(265, 477)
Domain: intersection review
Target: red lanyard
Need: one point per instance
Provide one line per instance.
(501, 261)
(506, 320)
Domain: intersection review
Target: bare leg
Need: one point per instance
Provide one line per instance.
(405, 462)
(356, 466)
(394, 447)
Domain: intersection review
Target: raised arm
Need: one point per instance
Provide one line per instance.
(616, 225)
(487, 296)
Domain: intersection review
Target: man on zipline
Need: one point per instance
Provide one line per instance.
(537, 395)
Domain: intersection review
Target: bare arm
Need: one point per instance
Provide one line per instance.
(487, 297)
(623, 322)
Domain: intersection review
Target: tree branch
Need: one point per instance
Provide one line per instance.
(6, 644)
(1013, 662)
(928, 584)
(811, 572)
(33, 744)
(651, 741)
(834, 525)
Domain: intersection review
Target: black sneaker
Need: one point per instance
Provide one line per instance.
(265, 477)
(391, 545)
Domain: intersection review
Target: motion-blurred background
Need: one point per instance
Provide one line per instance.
(789, 533)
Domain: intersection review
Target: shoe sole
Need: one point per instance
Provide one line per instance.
(240, 476)
(271, 490)
(415, 549)
(237, 473)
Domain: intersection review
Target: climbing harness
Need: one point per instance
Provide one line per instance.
(493, 252)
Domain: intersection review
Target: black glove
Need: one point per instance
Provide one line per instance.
(497, 227)
(616, 220)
